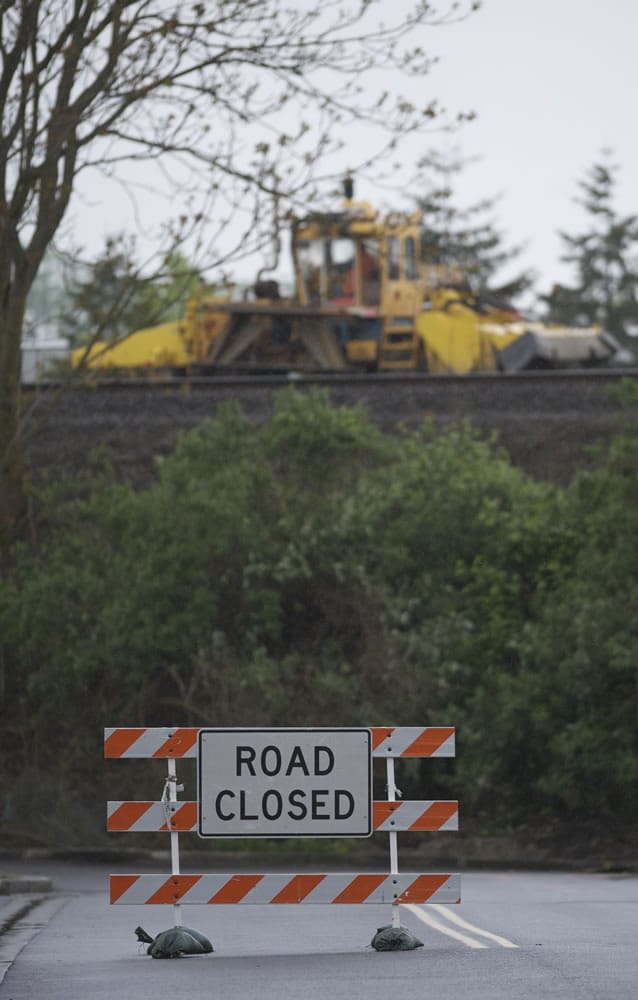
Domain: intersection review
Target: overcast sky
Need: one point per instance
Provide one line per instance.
(552, 83)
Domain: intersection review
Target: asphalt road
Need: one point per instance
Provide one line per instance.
(515, 935)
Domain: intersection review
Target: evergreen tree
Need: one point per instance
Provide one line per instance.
(112, 298)
(605, 260)
(467, 240)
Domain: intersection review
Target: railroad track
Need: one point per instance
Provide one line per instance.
(280, 379)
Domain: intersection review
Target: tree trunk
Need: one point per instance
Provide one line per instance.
(12, 471)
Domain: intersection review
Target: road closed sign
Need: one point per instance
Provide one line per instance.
(284, 783)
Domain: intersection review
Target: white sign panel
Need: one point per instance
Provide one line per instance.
(284, 783)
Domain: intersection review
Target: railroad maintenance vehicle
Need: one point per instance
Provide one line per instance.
(363, 300)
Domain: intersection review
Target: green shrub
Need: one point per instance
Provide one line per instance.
(314, 571)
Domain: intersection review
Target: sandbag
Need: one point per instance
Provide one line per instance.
(175, 942)
(391, 938)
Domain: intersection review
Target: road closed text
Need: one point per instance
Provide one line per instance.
(286, 783)
(318, 803)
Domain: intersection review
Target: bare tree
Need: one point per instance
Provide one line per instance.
(242, 98)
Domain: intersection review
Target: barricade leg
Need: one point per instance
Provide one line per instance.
(396, 937)
(394, 848)
(170, 794)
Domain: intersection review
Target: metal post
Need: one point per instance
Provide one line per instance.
(172, 797)
(394, 849)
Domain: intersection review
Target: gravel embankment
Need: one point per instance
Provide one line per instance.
(546, 425)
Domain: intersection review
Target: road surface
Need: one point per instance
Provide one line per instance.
(515, 935)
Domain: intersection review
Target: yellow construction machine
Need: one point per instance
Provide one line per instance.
(363, 300)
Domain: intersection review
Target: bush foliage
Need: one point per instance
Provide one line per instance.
(313, 571)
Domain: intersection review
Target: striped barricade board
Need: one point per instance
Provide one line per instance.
(406, 741)
(280, 888)
(162, 817)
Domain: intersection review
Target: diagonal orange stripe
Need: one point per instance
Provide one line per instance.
(429, 741)
(422, 888)
(434, 817)
(359, 889)
(379, 734)
(118, 884)
(178, 744)
(381, 811)
(120, 741)
(234, 890)
(126, 815)
(183, 819)
(298, 888)
(174, 888)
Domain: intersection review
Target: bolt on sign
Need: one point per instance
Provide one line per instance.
(284, 783)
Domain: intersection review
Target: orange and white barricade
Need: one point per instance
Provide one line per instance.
(391, 815)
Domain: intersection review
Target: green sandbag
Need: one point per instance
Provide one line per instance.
(395, 939)
(175, 942)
